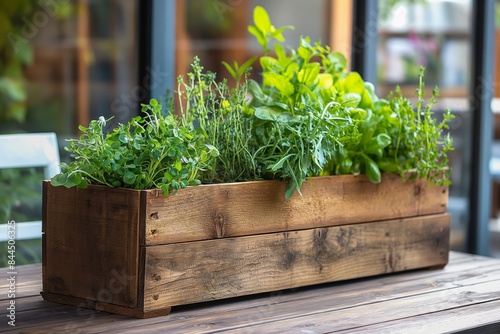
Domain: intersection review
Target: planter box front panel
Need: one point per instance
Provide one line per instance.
(200, 271)
(237, 209)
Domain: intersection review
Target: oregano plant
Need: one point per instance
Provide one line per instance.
(154, 151)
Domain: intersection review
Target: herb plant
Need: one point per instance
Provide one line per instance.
(222, 121)
(366, 135)
(301, 120)
(418, 141)
(155, 151)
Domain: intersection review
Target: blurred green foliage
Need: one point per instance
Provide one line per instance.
(15, 53)
(20, 21)
(20, 200)
(20, 197)
(497, 13)
(27, 252)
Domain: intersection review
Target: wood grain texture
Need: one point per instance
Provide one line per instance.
(484, 317)
(238, 209)
(358, 317)
(230, 267)
(90, 243)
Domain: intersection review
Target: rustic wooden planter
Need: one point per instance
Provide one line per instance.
(139, 253)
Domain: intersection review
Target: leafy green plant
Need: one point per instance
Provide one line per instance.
(294, 147)
(155, 151)
(263, 30)
(303, 116)
(367, 135)
(238, 72)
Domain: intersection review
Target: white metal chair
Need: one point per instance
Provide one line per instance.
(29, 150)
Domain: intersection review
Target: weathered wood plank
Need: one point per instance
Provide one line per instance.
(50, 317)
(240, 313)
(332, 296)
(356, 317)
(29, 276)
(484, 316)
(239, 209)
(91, 242)
(27, 281)
(100, 306)
(232, 267)
(29, 271)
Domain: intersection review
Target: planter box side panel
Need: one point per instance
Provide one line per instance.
(90, 240)
(249, 208)
(191, 272)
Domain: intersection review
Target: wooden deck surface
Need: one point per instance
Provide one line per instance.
(465, 295)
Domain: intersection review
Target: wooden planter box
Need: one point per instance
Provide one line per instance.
(139, 253)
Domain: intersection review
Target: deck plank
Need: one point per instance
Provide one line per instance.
(483, 315)
(349, 318)
(28, 280)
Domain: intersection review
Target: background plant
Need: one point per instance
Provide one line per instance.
(13, 60)
(20, 201)
(16, 52)
(21, 188)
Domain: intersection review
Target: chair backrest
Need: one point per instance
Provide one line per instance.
(29, 150)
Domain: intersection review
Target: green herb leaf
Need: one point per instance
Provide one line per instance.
(372, 171)
(279, 82)
(261, 19)
(351, 100)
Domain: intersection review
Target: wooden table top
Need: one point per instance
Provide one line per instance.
(463, 295)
